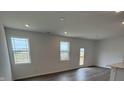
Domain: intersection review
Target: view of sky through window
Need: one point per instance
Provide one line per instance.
(64, 50)
(64, 46)
(19, 43)
(20, 50)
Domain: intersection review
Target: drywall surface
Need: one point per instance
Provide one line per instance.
(110, 51)
(5, 68)
(44, 50)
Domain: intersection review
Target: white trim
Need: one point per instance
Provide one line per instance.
(17, 36)
(65, 51)
(80, 56)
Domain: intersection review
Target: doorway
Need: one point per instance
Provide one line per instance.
(82, 52)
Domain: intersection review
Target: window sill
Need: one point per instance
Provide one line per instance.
(64, 60)
(21, 63)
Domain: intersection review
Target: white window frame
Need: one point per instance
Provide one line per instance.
(28, 50)
(81, 56)
(64, 51)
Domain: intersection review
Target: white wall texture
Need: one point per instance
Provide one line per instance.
(45, 54)
(5, 68)
(110, 51)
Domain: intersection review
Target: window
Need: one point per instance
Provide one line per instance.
(81, 56)
(64, 51)
(20, 49)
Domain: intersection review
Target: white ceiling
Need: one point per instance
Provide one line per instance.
(89, 25)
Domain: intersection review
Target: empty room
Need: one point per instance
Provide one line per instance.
(61, 45)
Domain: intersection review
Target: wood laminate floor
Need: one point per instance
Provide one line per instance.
(81, 74)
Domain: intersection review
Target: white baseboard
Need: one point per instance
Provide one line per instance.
(44, 73)
(102, 66)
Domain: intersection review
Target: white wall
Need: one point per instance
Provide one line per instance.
(45, 54)
(110, 51)
(5, 68)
